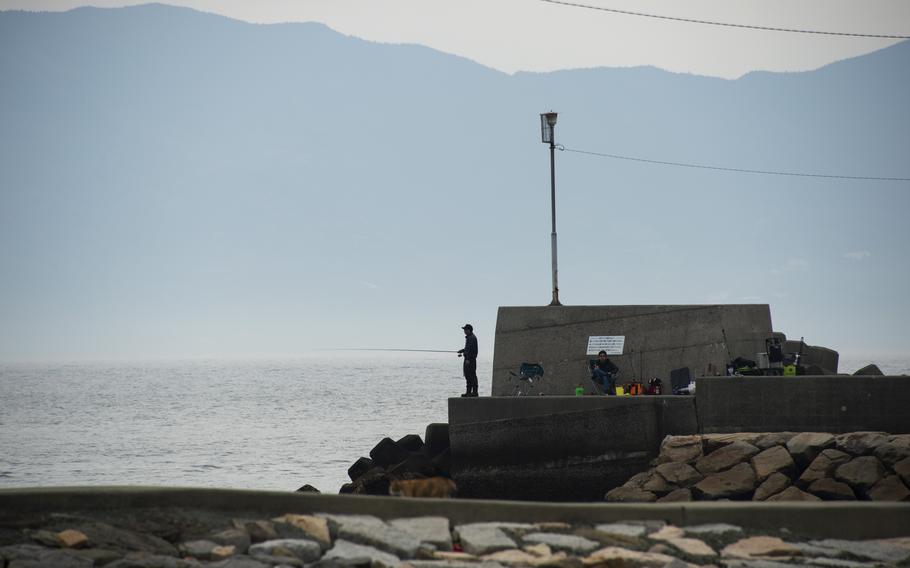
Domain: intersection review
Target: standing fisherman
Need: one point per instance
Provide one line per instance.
(470, 360)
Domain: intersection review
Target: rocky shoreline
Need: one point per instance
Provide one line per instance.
(160, 538)
(778, 466)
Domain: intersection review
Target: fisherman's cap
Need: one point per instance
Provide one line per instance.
(468, 326)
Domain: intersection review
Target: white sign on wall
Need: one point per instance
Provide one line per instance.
(612, 344)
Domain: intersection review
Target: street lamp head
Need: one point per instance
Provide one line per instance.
(547, 122)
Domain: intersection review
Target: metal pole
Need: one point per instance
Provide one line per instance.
(555, 301)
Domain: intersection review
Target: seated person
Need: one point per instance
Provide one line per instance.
(602, 372)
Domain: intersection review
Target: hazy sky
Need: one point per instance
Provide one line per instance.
(533, 35)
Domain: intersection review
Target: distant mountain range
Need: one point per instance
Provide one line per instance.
(174, 178)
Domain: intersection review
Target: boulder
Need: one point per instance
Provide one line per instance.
(823, 466)
(483, 538)
(860, 443)
(374, 482)
(894, 450)
(870, 370)
(372, 531)
(562, 542)
(891, 488)
(307, 488)
(359, 467)
(259, 531)
(713, 442)
(902, 468)
(657, 484)
(769, 439)
(793, 493)
(388, 453)
(72, 539)
(738, 481)
(805, 446)
(726, 457)
(683, 494)
(237, 538)
(831, 490)
(629, 495)
(775, 483)
(679, 473)
(680, 449)
(315, 528)
(861, 473)
(759, 546)
(430, 530)
(410, 442)
(348, 551)
(773, 460)
(621, 557)
(305, 550)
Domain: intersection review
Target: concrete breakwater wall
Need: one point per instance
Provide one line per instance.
(570, 448)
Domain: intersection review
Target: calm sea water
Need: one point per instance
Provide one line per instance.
(249, 425)
(252, 425)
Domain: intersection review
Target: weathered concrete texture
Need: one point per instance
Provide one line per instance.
(804, 404)
(558, 448)
(658, 340)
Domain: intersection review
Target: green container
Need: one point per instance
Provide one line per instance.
(579, 391)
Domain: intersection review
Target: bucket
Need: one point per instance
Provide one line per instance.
(761, 359)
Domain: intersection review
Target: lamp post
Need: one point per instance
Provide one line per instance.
(547, 126)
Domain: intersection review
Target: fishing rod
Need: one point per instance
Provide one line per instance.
(385, 349)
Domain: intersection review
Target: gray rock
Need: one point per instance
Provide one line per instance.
(860, 443)
(823, 466)
(870, 370)
(713, 442)
(201, 549)
(681, 495)
(681, 474)
(629, 495)
(102, 535)
(891, 488)
(831, 490)
(565, 542)
(240, 562)
(99, 556)
(897, 448)
(875, 550)
(371, 531)
(735, 563)
(344, 549)
(680, 449)
(770, 439)
(637, 480)
(773, 460)
(623, 529)
(805, 446)
(237, 538)
(713, 529)
(34, 556)
(452, 564)
(726, 457)
(793, 493)
(775, 483)
(146, 560)
(483, 538)
(259, 530)
(902, 468)
(657, 484)
(431, 530)
(306, 550)
(840, 563)
(735, 482)
(861, 473)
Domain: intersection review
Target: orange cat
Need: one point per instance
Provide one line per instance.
(437, 487)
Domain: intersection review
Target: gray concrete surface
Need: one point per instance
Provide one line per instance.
(559, 448)
(658, 340)
(804, 404)
(818, 520)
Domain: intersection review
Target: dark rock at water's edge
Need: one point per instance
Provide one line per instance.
(869, 370)
(308, 489)
(407, 458)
